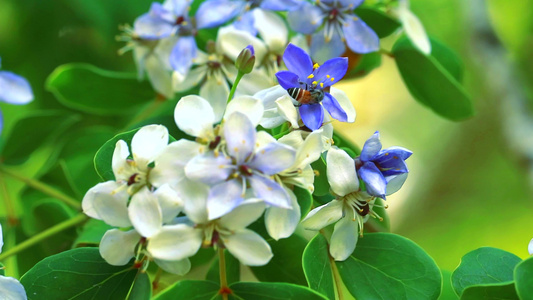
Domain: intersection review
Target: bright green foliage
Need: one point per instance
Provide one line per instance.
(490, 291)
(91, 233)
(381, 23)
(305, 200)
(484, 266)
(77, 274)
(434, 80)
(523, 275)
(317, 267)
(104, 156)
(89, 89)
(321, 181)
(365, 65)
(190, 289)
(142, 288)
(388, 266)
(233, 269)
(272, 291)
(447, 290)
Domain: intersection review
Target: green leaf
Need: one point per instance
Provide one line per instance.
(341, 141)
(430, 82)
(305, 200)
(523, 275)
(90, 89)
(389, 266)
(286, 265)
(34, 130)
(142, 288)
(191, 290)
(317, 267)
(233, 271)
(448, 59)
(78, 274)
(272, 291)
(447, 290)
(490, 292)
(321, 180)
(363, 64)
(92, 233)
(381, 23)
(484, 266)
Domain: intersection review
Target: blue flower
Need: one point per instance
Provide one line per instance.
(382, 171)
(315, 79)
(336, 24)
(14, 89)
(214, 13)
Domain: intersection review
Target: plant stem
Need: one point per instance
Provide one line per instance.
(222, 272)
(235, 84)
(336, 277)
(11, 214)
(42, 187)
(44, 235)
(386, 52)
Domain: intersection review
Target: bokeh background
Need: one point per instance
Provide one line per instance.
(470, 182)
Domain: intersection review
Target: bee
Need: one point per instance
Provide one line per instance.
(304, 96)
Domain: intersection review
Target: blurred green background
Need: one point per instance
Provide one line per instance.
(469, 186)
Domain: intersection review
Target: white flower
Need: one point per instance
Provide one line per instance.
(10, 288)
(180, 241)
(350, 209)
(530, 247)
(413, 27)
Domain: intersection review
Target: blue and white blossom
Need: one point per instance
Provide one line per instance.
(14, 89)
(350, 210)
(10, 288)
(382, 171)
(333, 25)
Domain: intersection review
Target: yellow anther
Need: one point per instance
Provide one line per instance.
(332, 79)
(244, 142)
(316, 172)
(316, 66)
(355, 18)
(321, 84)
(311, 76)
(235, 149)
(328, 76)
(386, 153)
(184, 23)
(314, 82)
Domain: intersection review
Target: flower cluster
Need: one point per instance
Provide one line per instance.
(14, 89)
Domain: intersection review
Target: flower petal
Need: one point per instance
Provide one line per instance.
(243, 215)
(323, 216)
(341, 173)
(530, 247)
(359, 37)
(245, 22)
(194, 116)
(107, 201)
(272, 29)
(280, 5)
(121, 169)
(288, 79)
(170, 164)
(217, 12)
(240, 136)
(148, 143)
(178, 267)
(169, 201)
(248, 105)
(273, 158)
(175, 242)
(331, 71)
(395, 182)
(159, 76)
(183, 54)
(208, 168)
(312, 115)
(297, 60)
(11, 289)
(344, 102)
(150, 27)
(322, 49)
(344, 239)
(231, 41)
(224, 197)
(194, 195)
(270, 191)
(14, 89)
(376, 184)
(415, 31)
(287, 110)
(182, 83)
(371, 147)
(248, 247)
(306, 19)
(333, 107)
(280, 222)
(216, 91)
(118, 247)
(145, 213)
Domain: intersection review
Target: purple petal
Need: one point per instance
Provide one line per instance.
(209, 169)
(312, 115)
(359, 37)
(331, 71)
(273, 158)
(14, 89)
(178, 7)
(399, 167)
(270, 191)
(298, 61)
(217, 12)
(352, 3)
(334, 108)
(183, 54)
(240, 136)
(150, 28)
(224, 197)
(371, 147)
(280, 5)
(287, 79)
(246, 23)
(395, 182)
(322, 50)
(376, 184)
(157, 11)
(401, 152)
(306, 18)
(1, 125)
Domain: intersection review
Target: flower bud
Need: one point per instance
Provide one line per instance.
(246, 60)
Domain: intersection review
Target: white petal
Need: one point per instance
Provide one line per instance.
(170, 164)
(345, 103)
(243, 215)
(148, 143)
(160, 77)
(324, 215)
(263, 138)
(224, 197)
(194, 195)
(415, 31)
(118, 247)
(271, 117)
(103, 202)
(194, 115)
(310, 150)
(216, 91)
(11, 289)
(293, 139)
(272, 29)
(248, 247)
(281, 223)
(169, 201)
(231, 41)
(344, 239)
(395, 182)
(250, 106)
(145, 213)
(530, 247)
(342, 176)
(255, 82)
(1, 238)
(178, 267)
(287, 110)
(175, 242)
(121, 169)
(182, 83)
